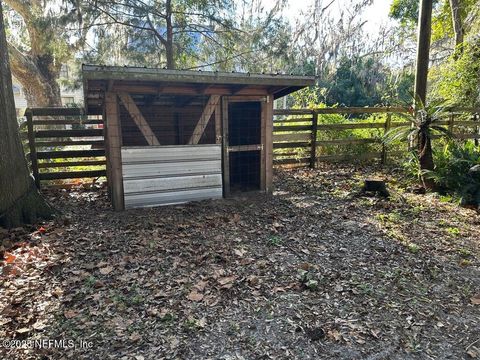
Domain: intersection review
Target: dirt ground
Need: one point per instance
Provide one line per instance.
(317, 271)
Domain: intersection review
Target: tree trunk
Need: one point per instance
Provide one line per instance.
(37, 69)
(423, 49)
(38, 79)
(421, 75)
(169, 43)
(426, 159)
(20, 201)
(457, 23)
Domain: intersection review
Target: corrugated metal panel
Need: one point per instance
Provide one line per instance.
(162, 175)
(171, 168)
(171, 153)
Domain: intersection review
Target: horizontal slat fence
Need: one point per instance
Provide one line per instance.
(305, 137)
(63, 143)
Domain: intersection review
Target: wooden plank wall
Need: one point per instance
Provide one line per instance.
(162, 175)
(64, 143)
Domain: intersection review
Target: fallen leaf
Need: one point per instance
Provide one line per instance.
(475, 299)
(9, 270)
(135, 336)
(106, 270)
(335, 335)
(305, 266)
(57, 292)
(253, 280)
(226, 280)
(473, 353)
(195, 296)
(9, 258)
(200, 286)
(202, 322)
(69, 314)
(240, 252)
(39, 325)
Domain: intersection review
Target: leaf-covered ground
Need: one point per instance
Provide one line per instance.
(318, 271)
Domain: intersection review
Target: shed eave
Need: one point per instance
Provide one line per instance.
(96, 72)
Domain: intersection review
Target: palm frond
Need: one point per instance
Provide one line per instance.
(441, 129)
(400, 133)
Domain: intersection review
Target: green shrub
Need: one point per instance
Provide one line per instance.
(451, 174)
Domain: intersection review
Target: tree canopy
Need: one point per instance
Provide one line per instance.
(326, 40)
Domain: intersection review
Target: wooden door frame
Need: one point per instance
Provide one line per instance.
(226, 149)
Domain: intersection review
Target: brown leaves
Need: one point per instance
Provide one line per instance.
(226, 282)
(9, 258)
(194, 295)
(240, 252)
(200, 286)
(106, 270)
(70, 314)
(135, 336)
(219, 266)
(475, 300)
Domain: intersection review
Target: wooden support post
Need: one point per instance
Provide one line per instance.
(32, 147)
(262, 147)
(204, 119)
(313, 145)
(450, 124)
(268, 145)
(218, 123)
(107, 155)
(388, 125)
(114, 143)
(476, 117)
(226, 156)
(137, 116)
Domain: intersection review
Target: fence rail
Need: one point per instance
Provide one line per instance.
(65, 143)
(300, 138)
(71, 144)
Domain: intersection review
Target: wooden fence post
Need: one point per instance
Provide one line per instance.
(388, 124)
(114, 142)
(450, 124)
(313, 148)
(477, 128)
(32, 147)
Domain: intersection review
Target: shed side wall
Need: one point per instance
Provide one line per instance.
(162, 175)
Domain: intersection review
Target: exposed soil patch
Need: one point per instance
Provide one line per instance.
(316, 271)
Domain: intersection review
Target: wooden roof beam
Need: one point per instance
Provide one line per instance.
(237, 88)
(186, 90)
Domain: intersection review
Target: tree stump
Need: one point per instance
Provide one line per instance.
(376, 186)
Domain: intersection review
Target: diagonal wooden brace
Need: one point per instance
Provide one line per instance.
(137, 116)
(212, 103)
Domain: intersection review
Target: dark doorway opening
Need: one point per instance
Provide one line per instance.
(244, 130)
(244, 126)
(244, 171)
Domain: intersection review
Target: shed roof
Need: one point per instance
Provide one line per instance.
(98, 79)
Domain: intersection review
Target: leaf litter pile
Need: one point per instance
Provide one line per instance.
(319, 270)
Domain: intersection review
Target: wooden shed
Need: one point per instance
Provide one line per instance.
(175, 136)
